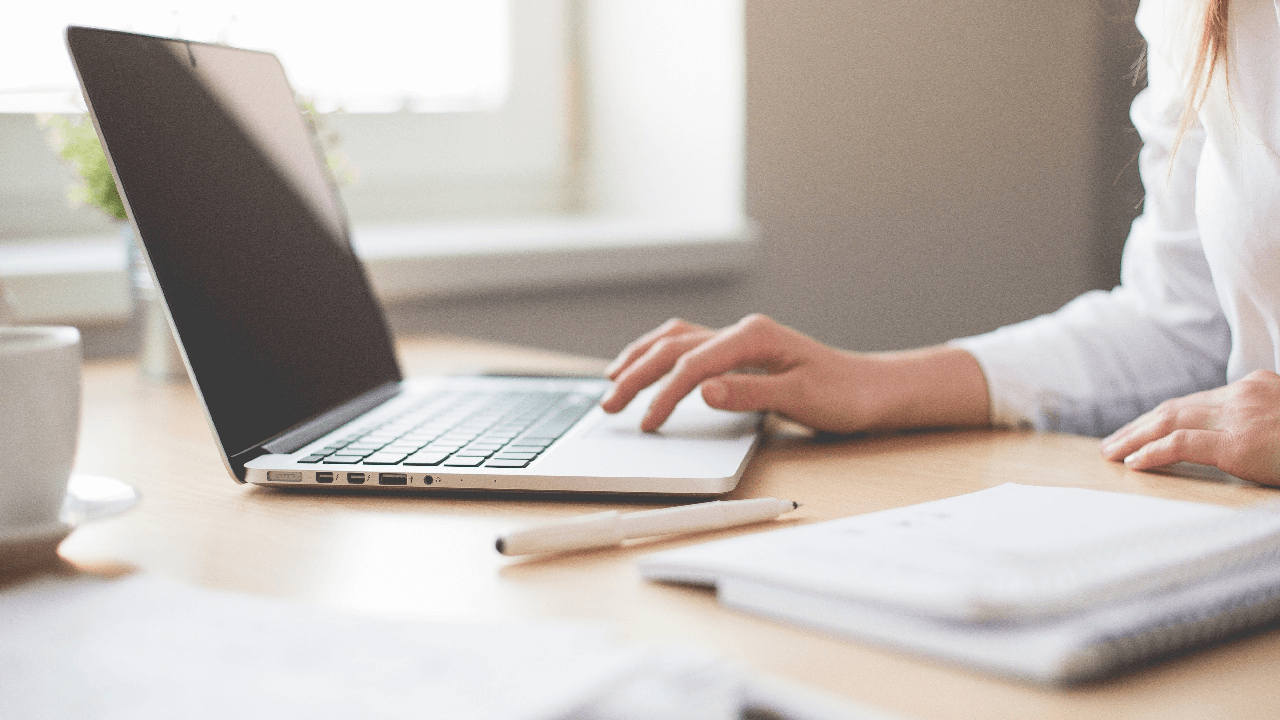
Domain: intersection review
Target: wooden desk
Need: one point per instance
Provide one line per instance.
(432, 557)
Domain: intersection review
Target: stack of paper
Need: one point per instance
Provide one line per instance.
(1048, 584)
(142, 648)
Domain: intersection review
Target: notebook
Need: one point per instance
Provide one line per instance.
(1052, 585)
(249, 244)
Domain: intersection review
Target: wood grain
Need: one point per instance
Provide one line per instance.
(432, 557)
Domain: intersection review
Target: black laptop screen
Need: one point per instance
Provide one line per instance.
(243, 228)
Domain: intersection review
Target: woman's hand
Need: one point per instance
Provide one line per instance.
(1235, 428)
(804, 380)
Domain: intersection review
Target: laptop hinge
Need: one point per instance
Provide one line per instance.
(297, 437)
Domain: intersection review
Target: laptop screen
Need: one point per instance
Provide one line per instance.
(242, 226)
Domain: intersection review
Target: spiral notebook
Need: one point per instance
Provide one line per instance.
(1053, 585)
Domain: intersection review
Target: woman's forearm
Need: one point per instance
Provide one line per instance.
(933, 387)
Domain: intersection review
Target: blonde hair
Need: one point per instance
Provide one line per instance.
(1210, 52)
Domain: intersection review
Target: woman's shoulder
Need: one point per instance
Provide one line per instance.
(1166, 25)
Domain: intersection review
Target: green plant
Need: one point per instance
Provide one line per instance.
(76, 142)
(73, 138)
(328, 140)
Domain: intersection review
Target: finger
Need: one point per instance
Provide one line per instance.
(637, 349)
(657, 361)
(1165, 419)
(742, 345)
(1143, 426)
(1124, 441)
(1204, 447)
(748, 393)
(641, 345)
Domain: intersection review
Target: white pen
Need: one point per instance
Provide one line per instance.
(610, 528)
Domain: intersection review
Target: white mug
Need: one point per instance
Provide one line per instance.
(39, 426)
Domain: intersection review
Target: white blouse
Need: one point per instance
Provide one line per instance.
(1199, 299)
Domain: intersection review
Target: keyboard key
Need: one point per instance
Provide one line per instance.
(472, 452)
(496, 463)
(426, 458)
(384, 458)
(515, 456)
(343, 459)
(457, 437)
(312, 459)
(464, 462)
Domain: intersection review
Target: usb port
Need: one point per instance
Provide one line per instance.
(355, 478)
(324, 477)
(393, 479)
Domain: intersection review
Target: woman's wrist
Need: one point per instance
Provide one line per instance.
(935, 387)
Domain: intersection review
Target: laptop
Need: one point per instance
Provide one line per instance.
(279, 329)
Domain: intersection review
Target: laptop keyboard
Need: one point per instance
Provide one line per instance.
(507, 429)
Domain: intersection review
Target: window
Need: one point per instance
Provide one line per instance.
(374, 56)
(621, 127)
(499, 149)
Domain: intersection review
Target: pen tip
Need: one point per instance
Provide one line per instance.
(501, 545)
(794, 505)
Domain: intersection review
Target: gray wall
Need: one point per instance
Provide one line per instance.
(919, 170)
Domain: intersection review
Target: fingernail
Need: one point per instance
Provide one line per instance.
(715, 393)
(608, 397)
(1132, 458)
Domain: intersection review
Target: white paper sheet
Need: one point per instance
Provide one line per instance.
(142, 648)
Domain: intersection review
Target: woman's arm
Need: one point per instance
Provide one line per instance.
(1089, 368)
(802, 379)
(1108, 357)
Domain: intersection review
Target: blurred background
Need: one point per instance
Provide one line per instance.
(567, 174)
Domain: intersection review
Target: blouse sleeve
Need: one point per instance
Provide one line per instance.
(1107, 357)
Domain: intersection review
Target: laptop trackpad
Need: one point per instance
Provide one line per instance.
(697, 441)
(693, 419)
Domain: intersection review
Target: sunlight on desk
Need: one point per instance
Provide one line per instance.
(391, 564)
(432, 558)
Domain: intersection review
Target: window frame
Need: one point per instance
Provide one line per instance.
(635, 174)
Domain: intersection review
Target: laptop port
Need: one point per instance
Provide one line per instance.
(427, 480)
(355, 478)
(393, 479)
(324, 477)
(284, 476)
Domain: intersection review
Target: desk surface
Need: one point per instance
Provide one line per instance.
(432, 557)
